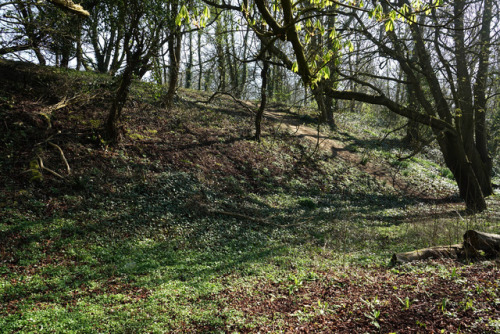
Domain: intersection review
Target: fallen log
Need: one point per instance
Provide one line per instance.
(439, 252)
(476, 245)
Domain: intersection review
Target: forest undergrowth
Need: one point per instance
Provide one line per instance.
(188, 225)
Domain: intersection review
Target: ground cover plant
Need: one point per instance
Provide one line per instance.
(190, 226)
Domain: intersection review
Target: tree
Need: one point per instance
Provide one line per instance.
(25, 29)
(263, 94)
(142, 41)
(106, 30)
(174, 41)
(33, 26)
(456, 120)
(451, 96)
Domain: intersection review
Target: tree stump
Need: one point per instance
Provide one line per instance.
(479, 244)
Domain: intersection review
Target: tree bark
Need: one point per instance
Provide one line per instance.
(200, 62)
(219, 48)
(189, 66)
(244, 70)
(480, 87)
(112, 133)
(325, 103)
(457, 161)
(174, 52)
(263, 99)
(132, 39)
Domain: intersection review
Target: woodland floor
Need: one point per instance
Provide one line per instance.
(190, 226)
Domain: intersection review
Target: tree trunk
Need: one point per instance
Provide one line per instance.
(34, 38)
(325, 104)
(79, 50)
(457, 161)
(112, 133)
(94, 39)
(66, 52)
(174, 52)
(219, 47)
(231, 59)
(263, 100)
(200, 63)
(413, 137)
(480, 100)
(243, 79)
(189, 66)
(132, 39)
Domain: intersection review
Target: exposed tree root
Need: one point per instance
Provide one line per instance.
(40, 162)
(62, 156)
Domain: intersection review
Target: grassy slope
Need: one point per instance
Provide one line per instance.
(190, 226)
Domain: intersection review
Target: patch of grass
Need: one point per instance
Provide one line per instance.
(445, 172)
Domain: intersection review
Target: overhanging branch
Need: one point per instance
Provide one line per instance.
(382, 100)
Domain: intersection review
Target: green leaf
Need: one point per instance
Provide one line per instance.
(326, 72)
(318, 24)
(350, 46)
(405, 9)
(206, 12)
(333, 34)
(328, 56)
(389, 25)
(183, 15)
(295, 67)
